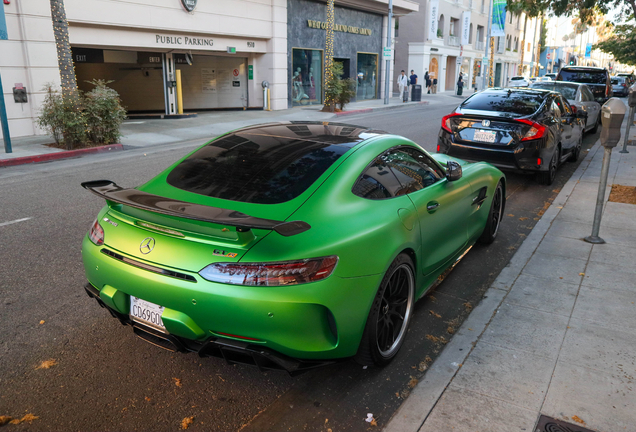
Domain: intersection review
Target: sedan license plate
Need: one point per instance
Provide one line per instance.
(485, 136)
(147, 313)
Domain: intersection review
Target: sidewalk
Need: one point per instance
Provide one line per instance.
(556, 333)
(207, 125)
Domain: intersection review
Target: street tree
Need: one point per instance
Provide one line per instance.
(531, 9)
(621, 44)
(64, 56)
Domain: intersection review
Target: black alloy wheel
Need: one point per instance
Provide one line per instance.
(576, 151)
(494, 216)
(547, 177)
(390, 315)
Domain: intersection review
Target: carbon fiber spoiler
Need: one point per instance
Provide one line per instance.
(134, 198)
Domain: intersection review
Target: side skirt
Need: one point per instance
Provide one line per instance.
(440, 278)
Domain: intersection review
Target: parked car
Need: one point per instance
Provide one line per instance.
(519, 81)
(551, 75)
(288, 245)
(579, 96)
(521, 129)
(544, 78)
(597, 79)
(620, 85)
(631, 79)
(532, 80)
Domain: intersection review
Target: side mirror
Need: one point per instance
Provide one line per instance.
(453, 171)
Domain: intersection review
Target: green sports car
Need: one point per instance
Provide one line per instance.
(288, 245)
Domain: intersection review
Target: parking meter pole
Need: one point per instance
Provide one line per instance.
(600, 199)
(630, 120)
(612, 116)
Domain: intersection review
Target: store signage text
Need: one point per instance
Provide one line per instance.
(339, 27)
(183, 40)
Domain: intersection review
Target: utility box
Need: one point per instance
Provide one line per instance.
(612, 115)
(20, 95)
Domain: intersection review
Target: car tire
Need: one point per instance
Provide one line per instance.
(494, 216)
(547, 177)
(576, 152)
(596, 125)
(390, 314)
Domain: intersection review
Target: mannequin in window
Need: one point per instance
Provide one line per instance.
(312, 87)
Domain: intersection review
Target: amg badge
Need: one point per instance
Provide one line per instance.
(224, 253)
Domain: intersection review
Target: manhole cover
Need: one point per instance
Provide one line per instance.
(549, 424)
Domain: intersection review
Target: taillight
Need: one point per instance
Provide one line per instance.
(438, 147)
(446, 122)
(96, 234)
(271, 274)
(536, 130)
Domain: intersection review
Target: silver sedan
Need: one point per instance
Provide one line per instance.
(578, 95)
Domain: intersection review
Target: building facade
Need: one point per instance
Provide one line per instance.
(224, 50)
(446, 37)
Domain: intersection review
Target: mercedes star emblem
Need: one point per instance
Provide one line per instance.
(147, 245)
(485, 123)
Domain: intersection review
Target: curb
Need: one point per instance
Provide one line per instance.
(412, 414)
(368, 110)
(58, 155)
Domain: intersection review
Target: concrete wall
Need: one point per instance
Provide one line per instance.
(28, 57)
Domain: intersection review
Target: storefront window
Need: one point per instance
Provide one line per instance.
(367, 76)
(306, 77)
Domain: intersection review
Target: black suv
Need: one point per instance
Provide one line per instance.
(597, 79)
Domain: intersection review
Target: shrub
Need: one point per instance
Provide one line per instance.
(104, 113)
(63, 118)
(333, 87)
(347, 92)
(92, 117)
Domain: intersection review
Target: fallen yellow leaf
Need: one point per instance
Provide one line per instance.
(41, 321)
(578, 419)
(177, 382)
(47, 364)
(186, 422)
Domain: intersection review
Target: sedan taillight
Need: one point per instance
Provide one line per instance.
(446, 125)
(536, 130)
(271, 274)
(96, 234)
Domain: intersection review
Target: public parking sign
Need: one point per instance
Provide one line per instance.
(387, 53)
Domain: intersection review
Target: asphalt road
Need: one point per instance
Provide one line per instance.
(106, 379)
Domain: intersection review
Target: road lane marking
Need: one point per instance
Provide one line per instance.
(14, 221)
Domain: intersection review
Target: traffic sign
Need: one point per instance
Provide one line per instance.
(387, 53)
(548, 56)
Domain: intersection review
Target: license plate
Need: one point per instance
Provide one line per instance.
(146, 313)
(485, 136)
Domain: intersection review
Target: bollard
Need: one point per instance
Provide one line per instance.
(612, 115)
(631, 101)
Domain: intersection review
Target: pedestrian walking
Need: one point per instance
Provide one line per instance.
(403, 83)
(413, 78)
(427, 81)
(460, 84)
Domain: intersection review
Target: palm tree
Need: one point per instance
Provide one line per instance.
(64, 56)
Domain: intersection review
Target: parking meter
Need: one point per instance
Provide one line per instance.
(631, 96)
(612, 115)
(631, 101)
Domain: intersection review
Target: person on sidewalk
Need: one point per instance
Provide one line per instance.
(460, 84)
(413, 78)
(427, 81)
(403, 83)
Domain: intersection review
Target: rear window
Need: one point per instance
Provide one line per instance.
(618, 80)
(568, 91)
(258, 169)
(585, 77)
(521, 103)
(516, 78)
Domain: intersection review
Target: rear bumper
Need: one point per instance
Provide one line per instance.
(521, 158)
(316, 321)
(232, 351)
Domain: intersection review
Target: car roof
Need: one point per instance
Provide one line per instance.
(584, 68)
(342, 134)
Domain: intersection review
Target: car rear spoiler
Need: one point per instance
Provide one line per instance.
(154, 203)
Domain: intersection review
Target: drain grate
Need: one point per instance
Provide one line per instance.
(549, 424)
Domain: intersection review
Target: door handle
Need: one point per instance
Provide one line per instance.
(432, 206)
